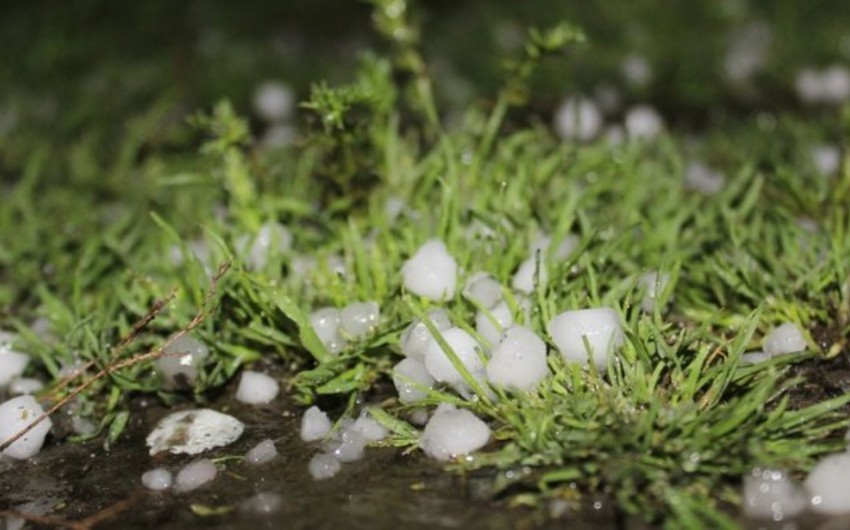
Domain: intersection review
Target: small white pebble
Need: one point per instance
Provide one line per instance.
(492, 323)
(194, 431)
(180, 361)
(451, 433)
(315, 424)
(828, 485)
(482, 289)
(523, 280)
(464, 346)
(17, 414)
(415, 339)
(158, 479)
(772, 494)
(431, 272)
(274, 101)
(518, 361)
(409, 373)
(786, 338)
(194, 475)
(643, 122)
(256, 388)
(600, 327)
(578, 118)
(323, 466)
(653, 284)
(262, 453)
(24, 385)
(359, 319)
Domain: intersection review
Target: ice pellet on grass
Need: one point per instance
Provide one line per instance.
(323, 466)
(490, 324)
(483, 290)
(464, 346)
(636, 69)
(359, 318)
(274, 101)
(600, 327)
(652, 284)
(523, 280)
(828, 485)
(830, 86)
(754, 357)
(158, 479)
(408, 376)
(262, 453)
(346, 445)
(643, 122)
(12, 363)
(451, 432)
(194, 431)
(518, 362)
(786, 338)
(415, 339)
(256, 388)
(326, 324)
(367, 427)
(194, 475)
(271, 238)
(315, 424)
(699, 177)
(431, 272)
(24, 385)
(180, 361)
(826, 159)
(578, 118)
(772, 494)
(17, 414)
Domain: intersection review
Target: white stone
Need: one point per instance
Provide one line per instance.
(323, 466)
(415, 339)
(786, 338)
(315, 424)
(578, 118)
(600, 327)
(465, 348)
(483, 290)
(701, 178)
(262, 453)
(180, 361)
(643, 122)
(326, 323)
(431, 272)
(12, 363)
(274, 101)
(518, 362)
(652, 284)
(492, 323)
(194, 475)
(408, 376)
(194, 431)
(523, 280)
(828, 485)
(451, 433)
(158, 479)
(359, 319)
(772, 494)
(17, 414)
(256, 388)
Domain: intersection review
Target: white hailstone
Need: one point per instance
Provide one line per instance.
(492, 323)
(808, 85)
(315, 424)
(518, 362)
(261, 453)
(703, 179)
(578, 118)
(393, 207)
(415, 339)
(600, 327)
(786, 338)
(828, 485)
(180, 361)
(274, 101)
(636, 69)
(194, 431)
(643, 122)
(772, 494)
(431, 272)
(17, 414)
(326, 323)
(360, 318)
(754, 357)
(566, 247)
(451, 433)
(279, 135)
(826, 158)
(158, 479)
(24, 385)
(835, 85)
(523, 280)
(263, 503)
(615, 135)
(464, 346)
(483, 290)
(367, 427)
(300, 266)
(346, 445)
(323, 466)
(653, 284)
(256, 388)
(12, 363)
(747, 52)
(194, 475)
(408, 376)
(272, 237)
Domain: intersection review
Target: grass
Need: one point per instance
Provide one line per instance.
(96, 237)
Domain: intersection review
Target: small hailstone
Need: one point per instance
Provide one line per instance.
(12, 363)
(653, 284)
(523, 280)
(15, 415)
(359, 318)
(565, 247)
(643, 122)
(703, 179)
(256, 388)
(518, 361)
(826, 159)
(369, 428)
(393, 207)
(323, 466)
(600, 327)
(180, 361)
(786, 338)
(636, 69)
(482, 289)
(431, 272)
(263, 503)
(326, 323)
(835, 85)
(24, 385)
(464, 346)
(451, 433)
(747, 52)
(194, 431)
(409, 373)
(158, 479)
(415, 339)
(754, 357)
(578, 118)
(262, 453)
(271, 237)
(772, 494)
(828, 485)
(194, 475)
(492, 323)
(347, 445)
(274, 101)
(315, 424)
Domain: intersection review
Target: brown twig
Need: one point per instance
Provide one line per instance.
(84, 524)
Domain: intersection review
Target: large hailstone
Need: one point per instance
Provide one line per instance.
(578, 118)
(326, 323)
(411, 378)
(828, 485)
(786, 338)
(256, 388)
(464, 346)
(12, 363)
(17, 414)
(482, 289)
(415, 339)
(431, 272)
(600, 327)
(194, 431)
(492, 323)
(523, 280)
(518, 362)
(315, 424)
(451, 433)
(359, 318)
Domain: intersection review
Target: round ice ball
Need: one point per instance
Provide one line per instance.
(274, 101)
(600, 327)
(772, 494)
(256, 388)
(408, 376)
(492, 323)
(786, 338)
(518, 362)
(643, 122)
(464, 346)
(483, 290)
(431, 272)
(180, 361)
(578, 118)
(451, 433)
(194, 475)
(315, 424)
(828, 485)
(415, 339)
(17, 414)
(158, 479)
(359, 318)
(323, 466)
